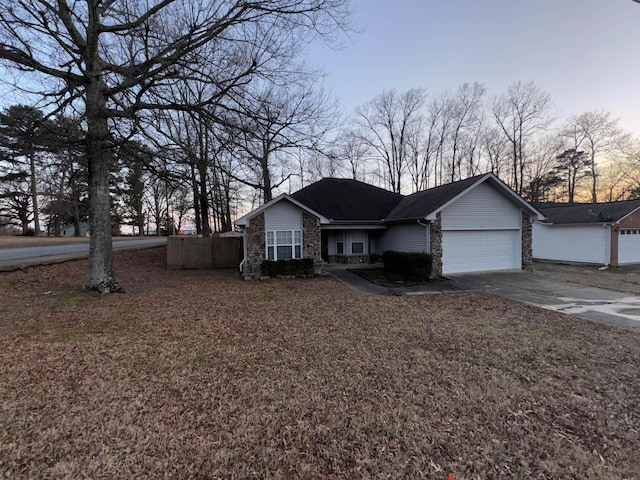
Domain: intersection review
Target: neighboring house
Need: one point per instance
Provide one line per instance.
(601, 233)
(69, 230)
(477, 224)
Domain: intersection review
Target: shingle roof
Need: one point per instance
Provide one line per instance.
(421, 204)
(588, 212)
(346, 199)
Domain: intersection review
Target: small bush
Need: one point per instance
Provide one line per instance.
(296, 267)
(411, 266)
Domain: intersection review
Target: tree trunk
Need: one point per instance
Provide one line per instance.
(266, 177)
(594, 186)
(101, 276)
(34, 196)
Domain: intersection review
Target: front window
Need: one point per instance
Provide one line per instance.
(284, 244)
(357, 242)
(340, 243)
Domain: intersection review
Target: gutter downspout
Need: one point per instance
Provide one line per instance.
(244, 249)
(428, 230)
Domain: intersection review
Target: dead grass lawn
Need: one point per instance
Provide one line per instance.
(201, 375)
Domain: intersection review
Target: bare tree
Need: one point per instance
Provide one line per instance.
(386, 125)
(466, 120)
(598, 134)
(521, 113)
(112, 60)
(271, 127)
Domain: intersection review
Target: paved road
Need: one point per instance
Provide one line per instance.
(23, 256)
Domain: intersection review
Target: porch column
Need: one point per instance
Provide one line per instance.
(256, 246)
(435, 236)
(311, 239)
(527, 242)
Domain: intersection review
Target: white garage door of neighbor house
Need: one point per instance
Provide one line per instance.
(629, 246)
(480, 250)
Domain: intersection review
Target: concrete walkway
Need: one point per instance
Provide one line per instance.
(599, 305)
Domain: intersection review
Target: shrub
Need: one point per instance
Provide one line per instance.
(295, 267)
(411, 266)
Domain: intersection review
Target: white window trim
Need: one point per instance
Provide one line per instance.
(275, 244)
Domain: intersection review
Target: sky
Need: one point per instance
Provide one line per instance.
(584, 53)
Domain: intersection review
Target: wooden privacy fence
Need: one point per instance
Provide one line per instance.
(204, 252)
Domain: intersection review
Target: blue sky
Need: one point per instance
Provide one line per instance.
(584, 53)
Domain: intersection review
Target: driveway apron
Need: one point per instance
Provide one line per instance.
(597, 304)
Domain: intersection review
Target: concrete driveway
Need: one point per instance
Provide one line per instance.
(604, 306)
(599, 305)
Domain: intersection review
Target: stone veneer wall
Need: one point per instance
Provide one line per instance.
(527, 242)
(311, 239)
(256, 246)
(435, 233)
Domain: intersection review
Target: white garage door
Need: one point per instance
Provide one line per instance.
(480, 250)
(629, 246)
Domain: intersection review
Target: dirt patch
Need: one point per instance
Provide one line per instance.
(621, 279)
(201, 375)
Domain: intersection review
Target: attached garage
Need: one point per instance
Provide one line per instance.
(629, 245)
(480, 250)
(481, 231)
(601, 233)
(587, 243)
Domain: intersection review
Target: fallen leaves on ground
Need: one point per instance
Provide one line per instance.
(197, 374)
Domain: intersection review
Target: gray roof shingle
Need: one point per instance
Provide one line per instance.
(569, 213)
(421, 204)
(346, 199)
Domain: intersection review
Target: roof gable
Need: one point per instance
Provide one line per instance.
(428, 203)
(242, 221)
(570, 213)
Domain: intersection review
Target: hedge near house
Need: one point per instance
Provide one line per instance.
(412, 266)
(297, 267)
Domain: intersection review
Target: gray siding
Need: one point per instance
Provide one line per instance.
(483, 208)
(573, 243)
(283, 216)
(409, 237)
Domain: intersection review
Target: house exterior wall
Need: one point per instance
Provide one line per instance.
(406, 237)
(255, 243)
(311, 239)
(483, 208)
(573, 243)
(481, 231)
(436, 246)
(280, 216)
(625, 248)
(283, 216)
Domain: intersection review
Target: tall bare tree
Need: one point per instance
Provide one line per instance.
(521, 113)
(271, 127)
(599, 134)
(386, 125)
(112, 59)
